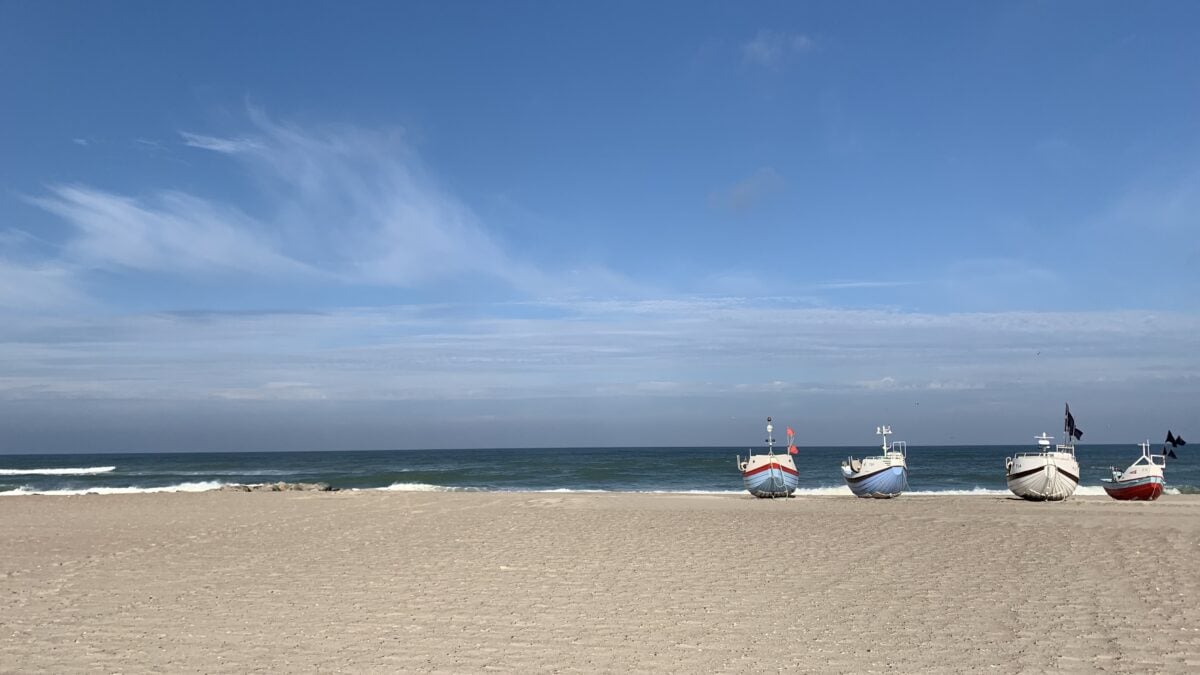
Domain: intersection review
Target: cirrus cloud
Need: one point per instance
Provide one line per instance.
(773, 48)
(335, 203)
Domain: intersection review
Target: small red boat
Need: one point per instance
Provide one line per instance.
(1142, 481)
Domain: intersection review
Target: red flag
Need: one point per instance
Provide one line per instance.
(790, 432)
(792, 450)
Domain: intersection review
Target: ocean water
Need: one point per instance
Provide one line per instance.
(932, 470)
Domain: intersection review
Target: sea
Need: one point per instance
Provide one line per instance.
(933, 470)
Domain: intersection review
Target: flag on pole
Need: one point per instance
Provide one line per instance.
(1173, 441)
(1069, 426)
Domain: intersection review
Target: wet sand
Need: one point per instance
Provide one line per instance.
(468, 582)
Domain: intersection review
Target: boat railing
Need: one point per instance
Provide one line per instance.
(1067, 449)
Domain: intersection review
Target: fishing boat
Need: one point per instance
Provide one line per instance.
(1049, 473)
(882, 476)
(770, 474)
(1142, 481)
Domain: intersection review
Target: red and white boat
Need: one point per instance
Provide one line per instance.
(770, 475)
(1142, 481)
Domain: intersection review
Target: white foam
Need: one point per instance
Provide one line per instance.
(85, 471)
(829, 491)
(565, 490)
(264, 472)
(690, 492)
(181, 487)
(423, 487)
(825, 491)
(973, 492)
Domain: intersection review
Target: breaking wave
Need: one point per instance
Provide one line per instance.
(425, 487)
(204, 486)
(85, 471)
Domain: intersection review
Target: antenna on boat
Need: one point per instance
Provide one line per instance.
(883, 431)
(770, 439)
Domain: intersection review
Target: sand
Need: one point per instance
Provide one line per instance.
(468, 582)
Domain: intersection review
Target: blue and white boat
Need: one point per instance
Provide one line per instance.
(883, 476)
(770, 474)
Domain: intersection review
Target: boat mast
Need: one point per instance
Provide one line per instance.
(883, 431)
(770, 439)
(1145, 445)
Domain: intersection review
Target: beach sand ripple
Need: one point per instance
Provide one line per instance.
(454, 582)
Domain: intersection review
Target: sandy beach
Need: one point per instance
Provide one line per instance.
(466, 582)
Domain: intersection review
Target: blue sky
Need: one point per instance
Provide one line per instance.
(318, 225)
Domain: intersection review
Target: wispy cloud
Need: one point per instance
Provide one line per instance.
(847, 285)
(773, 48)
(29, 286)
(670, 371)
(360, 204)
(1142, 248)
(1001, 282)
(273, 391)
(225, 145)
(749, 192)
(679, 348)
(1162, 211)
(173, 233)
(338, 203)
(1057, 153)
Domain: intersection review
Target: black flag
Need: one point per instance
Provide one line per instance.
(1175, 441)
(1069, 426)
(1171, 454)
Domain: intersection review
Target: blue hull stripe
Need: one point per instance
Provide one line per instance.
(890, 481)
(771, 483)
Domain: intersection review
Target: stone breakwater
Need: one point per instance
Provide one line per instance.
(278, 487)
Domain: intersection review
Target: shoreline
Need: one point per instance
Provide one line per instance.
(471, 581)
(1082, 492)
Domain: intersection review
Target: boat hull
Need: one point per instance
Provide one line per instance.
(1051, 476)
(882, 483)
(770, 476)
(1145, 489)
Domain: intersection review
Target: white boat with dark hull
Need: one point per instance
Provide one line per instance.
(770, 474)
(882, 476)
(1049, 473)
